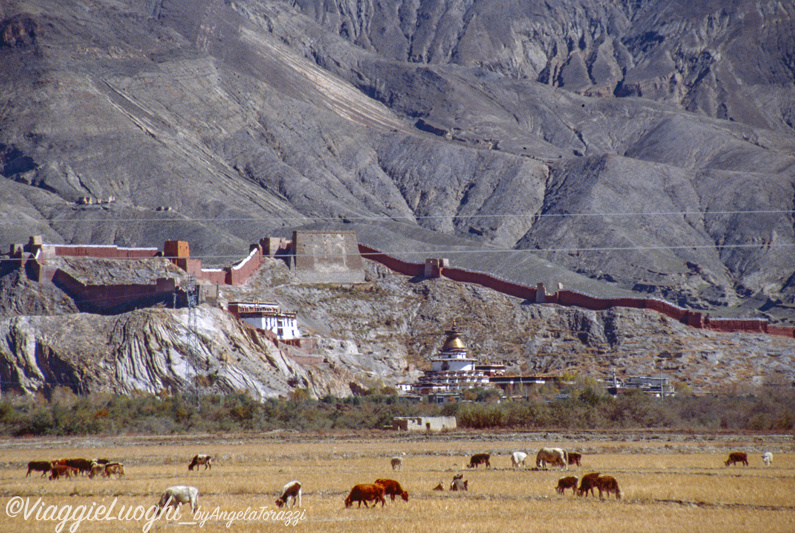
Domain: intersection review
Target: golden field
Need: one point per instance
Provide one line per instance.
(678, 484)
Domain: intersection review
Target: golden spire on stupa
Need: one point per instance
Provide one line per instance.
(453, 341)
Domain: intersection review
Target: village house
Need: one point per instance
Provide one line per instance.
(423, 423)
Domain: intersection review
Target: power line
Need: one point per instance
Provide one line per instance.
(387, 217)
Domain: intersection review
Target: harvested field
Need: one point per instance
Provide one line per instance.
(675, 483)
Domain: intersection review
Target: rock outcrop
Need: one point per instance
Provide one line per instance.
(154, 350)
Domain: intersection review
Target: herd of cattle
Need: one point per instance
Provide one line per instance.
(547, 457)
(364, 492)
(61, 468)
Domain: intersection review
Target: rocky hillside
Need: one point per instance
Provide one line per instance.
(618, 146)
(378, 333)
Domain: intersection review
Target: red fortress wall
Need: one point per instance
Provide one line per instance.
(179, 253)
(576, 299)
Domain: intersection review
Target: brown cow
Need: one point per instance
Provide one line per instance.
(569, 482)
(479, 459)
(438, 487)
(114, 468)
(39, 466)
(292, 489)
(587, 484)
(97, 470)
(365, 492)
(201, 459)
(392, 488)
(61, 470)
(737, 457)
(83, 465)
(608, 484)
(574, 458)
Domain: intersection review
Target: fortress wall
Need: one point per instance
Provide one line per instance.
(216, 276)
(392, 263)
(729, 325)
(110, 296)
(782, 331)
(670, 310)
(505, 287)
(101, 251)
(336, 257)
(240, 273)
(576, 299)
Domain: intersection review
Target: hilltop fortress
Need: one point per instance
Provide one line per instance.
(315, 257)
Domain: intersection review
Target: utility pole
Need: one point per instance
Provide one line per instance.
(192, 295)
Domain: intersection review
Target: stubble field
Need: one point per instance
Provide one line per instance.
(674, 484)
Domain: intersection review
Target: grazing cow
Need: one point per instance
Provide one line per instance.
(201, 459)
(365, 492)
(518, 458)
(552, 456)
(587, 484)
(114, 468)
(392, 488)
(97, 470)
(39, 466)
(608, 484)
(737, 457)
(177, 495)
(291, 490)
(82, 465)
(397, 463)
(479, 459)
(569, 482)
(575, 458)
(459, 484)
(60, 470)
(767, 458)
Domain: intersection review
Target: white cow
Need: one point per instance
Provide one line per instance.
(291, 490)
(767, 458)
(552, 456)
(177, 495)
(518, 458)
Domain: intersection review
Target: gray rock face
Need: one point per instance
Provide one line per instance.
(611, 146)
(152, 351)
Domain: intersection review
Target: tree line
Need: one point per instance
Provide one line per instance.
(582, 407)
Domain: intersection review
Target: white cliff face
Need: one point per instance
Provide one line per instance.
(151, 351)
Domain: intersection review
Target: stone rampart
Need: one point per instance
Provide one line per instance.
(577, 299)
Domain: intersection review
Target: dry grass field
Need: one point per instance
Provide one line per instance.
(675, 485)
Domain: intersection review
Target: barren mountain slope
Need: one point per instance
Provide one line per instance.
(636, 144)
